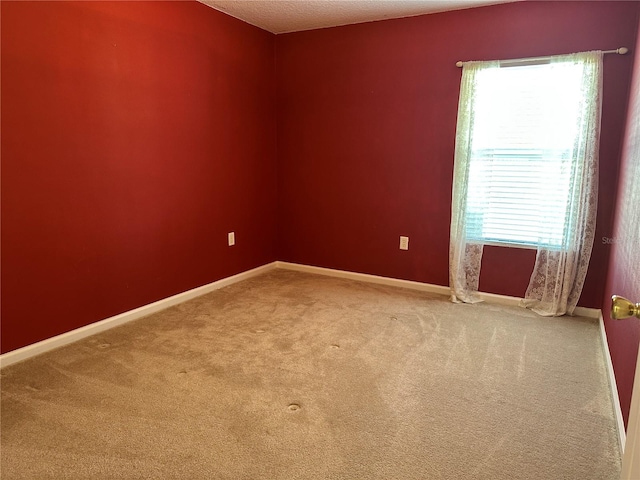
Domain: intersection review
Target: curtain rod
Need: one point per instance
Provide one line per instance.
(541, 60)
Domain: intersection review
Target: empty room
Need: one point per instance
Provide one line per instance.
(304, 239)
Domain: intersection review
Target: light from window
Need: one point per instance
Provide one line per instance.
(521, 167)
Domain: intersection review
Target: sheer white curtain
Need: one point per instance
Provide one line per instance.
(558, 129)
(559, 272)
(465, 257)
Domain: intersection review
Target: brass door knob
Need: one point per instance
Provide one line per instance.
(623, 308)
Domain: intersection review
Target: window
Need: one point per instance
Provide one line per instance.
(522, 164)
(526, 173)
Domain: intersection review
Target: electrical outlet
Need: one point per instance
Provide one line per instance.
(404, 243)
(232, 238)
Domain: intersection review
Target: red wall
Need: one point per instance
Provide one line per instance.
(624, 269)
(366, 133)
(135, 135)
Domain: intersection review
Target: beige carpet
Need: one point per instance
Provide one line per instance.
(297, 376)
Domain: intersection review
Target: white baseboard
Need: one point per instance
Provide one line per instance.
(424, 287)
(34, 349)
(365, 277)
(615, 399)
(587, 312)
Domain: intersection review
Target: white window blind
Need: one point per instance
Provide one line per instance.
(521, 166)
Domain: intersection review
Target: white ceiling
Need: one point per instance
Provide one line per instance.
(282, 16)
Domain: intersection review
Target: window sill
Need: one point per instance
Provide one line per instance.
(523, 246)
